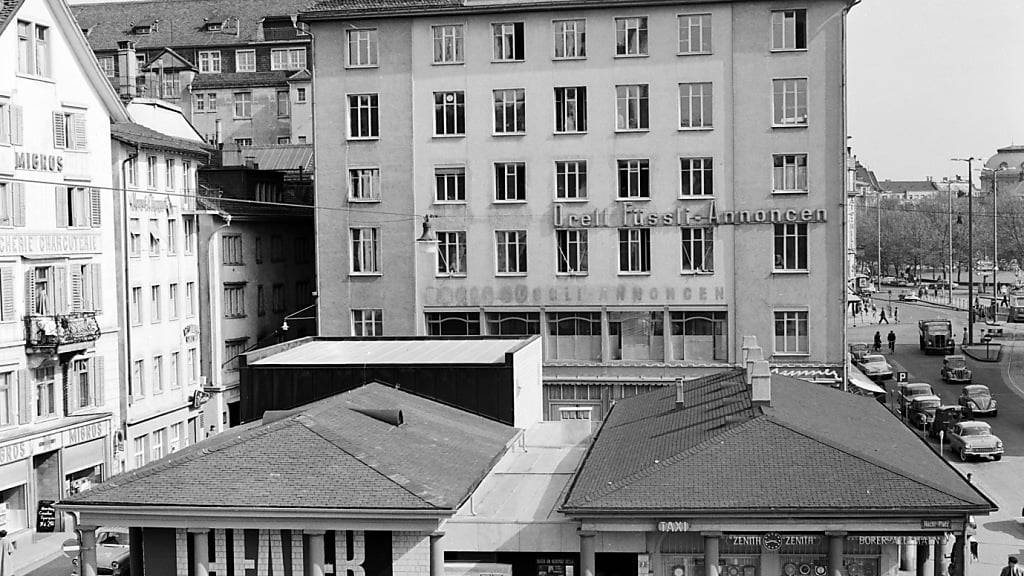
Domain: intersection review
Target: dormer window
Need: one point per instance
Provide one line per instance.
(142, 29)
(213, 26)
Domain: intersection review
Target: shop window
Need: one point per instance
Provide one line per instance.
(82, 480)
(574, 336)
(636, 335)
(14, 502)
(453, 323)
(513, 323)
(700, 336)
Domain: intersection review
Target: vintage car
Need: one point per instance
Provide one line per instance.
(909, 296)
(909, 390)
(954, 370)
(977, 400)
(922, 410)
(111, 553)
(946, 417)
(875, 367)
(973, 438)
(858, 351)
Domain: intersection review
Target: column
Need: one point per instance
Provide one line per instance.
(436, 554)
(836, 541)
(87, 556)
(942, 550)
(588, 561)
(315, 559)
(924, 553)
(606, 337)
(201, 551)
(908, 556)
(666, 329)
(711, 556)
(958, 562)
(135, 551)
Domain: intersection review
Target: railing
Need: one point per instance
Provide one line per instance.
(53, 331)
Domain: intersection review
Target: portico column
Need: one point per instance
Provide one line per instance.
(436, 554)
(201, 551)
(315, 559)
(666, 330)
(924, 553)
(958, 563)
(836, 540)
(588, 561)
(908, 556)
(87, 554)
(711, 556)
(606, 336)
(942, 549)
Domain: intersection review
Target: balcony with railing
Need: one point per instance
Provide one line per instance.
(60, 333)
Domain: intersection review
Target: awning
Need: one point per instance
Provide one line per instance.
(858, 379)
(851, 297)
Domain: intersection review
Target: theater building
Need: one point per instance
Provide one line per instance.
(638, 185)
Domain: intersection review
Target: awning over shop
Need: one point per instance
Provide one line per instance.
(858, 379)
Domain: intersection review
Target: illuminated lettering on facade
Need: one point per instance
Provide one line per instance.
(521, 294)
(38, 162)
(631, 216)
(266, 553)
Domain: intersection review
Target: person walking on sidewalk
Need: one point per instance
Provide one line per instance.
(1012, 568)
(896, 314)
(6, 554)
(882, 318)
(892, 341)
(878, 341)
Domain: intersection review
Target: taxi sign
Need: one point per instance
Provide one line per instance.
(71, 547)
(902, 377)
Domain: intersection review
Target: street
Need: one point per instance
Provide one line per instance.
(998, 535)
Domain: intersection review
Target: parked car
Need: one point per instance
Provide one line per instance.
(875, 367)
(910, 390)
(858, 351)
(922, 410)
(112, 551)
(890, 280)
(946, 417)
(942, 285)
(909, 297)
(973, 438)
(954, 370)
(976, 400)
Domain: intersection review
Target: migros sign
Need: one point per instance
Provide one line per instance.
(628, 215)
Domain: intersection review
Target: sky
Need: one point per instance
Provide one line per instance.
(930, 80)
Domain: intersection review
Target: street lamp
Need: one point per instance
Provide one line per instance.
(995, 234)
(970, 246)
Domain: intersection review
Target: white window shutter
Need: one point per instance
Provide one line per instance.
(7, 293)
(77, 296)
(17, 125)
(18, 198)
(30, 292)
(70, 387)
(95, 208)
(59, 131)
(60, 289)
(79, 132)
(97, 286)
(97, 381)
(61, 202)
(25, 402)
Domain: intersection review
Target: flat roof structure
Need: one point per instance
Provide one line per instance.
(387, 351)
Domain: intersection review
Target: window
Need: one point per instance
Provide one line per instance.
(193, 365)
(136, 309)
(636, 335)
(789, 98)
(449, 113)
(231, 248)
(7, 380)
(511, 252)
(631, 111)
(789, 173)
(277, 297)
(232, 350)
(243, 106)
(364, 185)
(172, 236)
(570, 39)
(107, 66)
(695, 34)
(157, 444)
(79, 388)
(634, 250)
(172, 301)
(696, 177)
(234, 300)
(508, 41)
(571, 180)
(176, 436)
(190, 299)
(789, 30)
(151, 171)
(6, 120)
(170, 169)
(362, 48)
(572, 252)
(33, 49)
(209, 61)
(158, 374)
(133, 171)
(365, 247)
(791, 247)
(513, 323)
(574, 335)
(700, 335)
(199, 103)
(362, 116)
(289, 58)
(261, 303)
(70, 131)
(791, 333)
(242, 142)
(46, 393)
(283, 103)
(12, 201)
(257, 245)
(190, 235)
(44, 283)
(510, 111)
(631, 36)
(276, 248)
(245, 60)
(448, 44)
(453, 323)
(695, 105)
(173, 380)
(211, 102)
(451, 254)
(139, 450)
(155, 303)
(300, 97)
(571, 109)
(154, 237)
(284, 140)
(510, 182)
(634, 179)
(450, 184)
(698, 250)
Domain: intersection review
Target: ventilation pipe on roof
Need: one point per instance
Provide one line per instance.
(392, 417)
(760, 383)
(127, 70)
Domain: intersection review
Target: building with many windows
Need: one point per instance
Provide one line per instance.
(237, 70)
(639, 185)
(58, 307)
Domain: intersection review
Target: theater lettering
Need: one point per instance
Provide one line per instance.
(630, 215)
(38, 162)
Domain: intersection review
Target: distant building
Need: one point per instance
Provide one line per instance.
(1008, 165)
(911, 190)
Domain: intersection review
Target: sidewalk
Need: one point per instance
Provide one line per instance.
(37, 549)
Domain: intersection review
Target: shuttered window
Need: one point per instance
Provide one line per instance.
(17, 125)
(25, 400)
(7, 294)
(12, 204)
(86, 288)
(46, 291)
(70, 131)
(77, 207)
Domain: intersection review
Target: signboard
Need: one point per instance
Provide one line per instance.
(630, 215)
(673, 526)
(942, 524)
(46, 516)
(85, 433)
(38, 162)
(922, 539)
(33, 243)
(773, 541)
(902, 377)
(521, 294)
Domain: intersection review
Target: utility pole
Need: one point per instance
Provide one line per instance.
(878, 236)
(949, 234)
(970, 246)
(995, 242)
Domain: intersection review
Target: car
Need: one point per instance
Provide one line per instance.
(954, 369)
(921, 412)
(973, 438)
(909, 297)
(875, 367)
(909, 390)
(858, 351)
(942, 285)
(890, 280)
(946, 417)
(112, 551)
(902, 282)
(976, 400)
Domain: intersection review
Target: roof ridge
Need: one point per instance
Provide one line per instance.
(866, 458)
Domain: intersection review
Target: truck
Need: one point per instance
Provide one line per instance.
(936, 336)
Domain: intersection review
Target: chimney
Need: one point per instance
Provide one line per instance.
(760, 383)
(680, 393)
(127, 70)
(751, 358)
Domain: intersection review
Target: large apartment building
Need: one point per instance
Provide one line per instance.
(641, 184)
(238, 70)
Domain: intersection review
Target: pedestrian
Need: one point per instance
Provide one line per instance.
(896, 314)
(882, 318)
(6, 554)
(974, 547)
(892, 341)
(964, 341)
(1012, 568)
(878, 341)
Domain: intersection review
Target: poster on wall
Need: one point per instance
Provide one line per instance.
(46, 516)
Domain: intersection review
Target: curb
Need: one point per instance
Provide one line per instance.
(968, 352)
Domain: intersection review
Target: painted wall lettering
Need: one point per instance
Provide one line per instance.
(38, 162)
(628, 215)
(520, 294)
